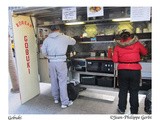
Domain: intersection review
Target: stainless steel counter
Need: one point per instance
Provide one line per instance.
(146, 70)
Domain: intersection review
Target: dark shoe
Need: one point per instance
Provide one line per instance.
(14, 90)
(120, 111)
(134, 112)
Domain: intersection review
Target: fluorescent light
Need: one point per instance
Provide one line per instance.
(121, 19)
(75, 23)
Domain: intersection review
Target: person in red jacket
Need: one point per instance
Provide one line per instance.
(127, 54)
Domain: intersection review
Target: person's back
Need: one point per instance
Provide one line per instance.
(54, 48)
(57, 44)
(127, 54)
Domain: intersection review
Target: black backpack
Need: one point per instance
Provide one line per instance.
(148, 102)
(73, 91)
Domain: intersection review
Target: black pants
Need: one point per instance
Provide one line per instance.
(13, 52)
(129, 81)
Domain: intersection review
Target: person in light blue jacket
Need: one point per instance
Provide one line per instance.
(54, 48)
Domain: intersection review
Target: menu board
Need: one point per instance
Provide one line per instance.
(69, 13)
(140, 14)
(95, 11)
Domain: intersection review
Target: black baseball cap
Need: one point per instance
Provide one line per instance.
(55, 27)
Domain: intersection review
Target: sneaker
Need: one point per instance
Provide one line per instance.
(56, 101)
(69, 104)
(120, 111)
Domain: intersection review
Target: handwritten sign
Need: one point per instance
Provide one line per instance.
(69, 13)
(140, 14)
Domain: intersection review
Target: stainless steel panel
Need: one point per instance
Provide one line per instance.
(146, 70)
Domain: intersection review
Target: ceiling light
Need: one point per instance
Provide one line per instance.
(75, 23)
(121, 19)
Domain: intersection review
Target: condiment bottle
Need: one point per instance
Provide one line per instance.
(109, 53)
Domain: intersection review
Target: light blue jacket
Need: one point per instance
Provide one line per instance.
(55, 46)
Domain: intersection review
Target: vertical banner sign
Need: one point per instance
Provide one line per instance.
(140, 14)
(26, 57)
(69, 13)
(95, 11)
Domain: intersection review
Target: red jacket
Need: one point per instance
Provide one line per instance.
(129, 54)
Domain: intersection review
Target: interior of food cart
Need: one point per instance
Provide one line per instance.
(96, 99)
